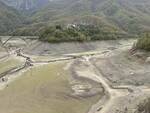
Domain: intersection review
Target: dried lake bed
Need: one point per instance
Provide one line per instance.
(90, 77)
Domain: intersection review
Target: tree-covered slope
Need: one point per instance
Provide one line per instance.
(128, 16)
(26, 5)
(132, 16)
(10, 19)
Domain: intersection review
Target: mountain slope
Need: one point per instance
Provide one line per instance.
(26, 5)
(132, 16)
(128, 16)
(10, 19)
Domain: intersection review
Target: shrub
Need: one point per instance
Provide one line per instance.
(144, 42)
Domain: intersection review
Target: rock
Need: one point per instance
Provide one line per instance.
(131, 73)
(4, 79)
(99, 109)
(139, 54)
(147, 60)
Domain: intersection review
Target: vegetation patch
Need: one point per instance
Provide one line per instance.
(79, 33)
(9, 64)
(144, 42)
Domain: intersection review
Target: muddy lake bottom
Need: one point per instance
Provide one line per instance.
(77, 85)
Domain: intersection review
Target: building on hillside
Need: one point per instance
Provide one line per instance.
(71, 26)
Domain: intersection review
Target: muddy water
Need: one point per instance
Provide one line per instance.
(44, 89)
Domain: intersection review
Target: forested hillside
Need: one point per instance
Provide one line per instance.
(10, 19)
(131, 16)
(125, 16)
(26, 5)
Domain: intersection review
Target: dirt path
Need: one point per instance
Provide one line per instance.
(113, 93)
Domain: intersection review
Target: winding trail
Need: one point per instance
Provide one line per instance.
(111, 92)
(114, 92)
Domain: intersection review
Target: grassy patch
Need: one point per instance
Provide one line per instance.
(144, 42)
(9, 64)
(44, 89)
